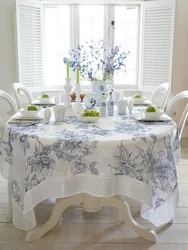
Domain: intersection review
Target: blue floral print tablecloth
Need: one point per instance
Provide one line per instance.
(116, 156)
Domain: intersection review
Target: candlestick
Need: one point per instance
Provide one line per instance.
(77, 75)
(69, 108)
(68, 68)
(78, 107)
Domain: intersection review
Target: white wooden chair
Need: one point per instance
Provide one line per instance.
(162, 87)
(17, 88)
(181, 96)
(14, 109)
(1, 130)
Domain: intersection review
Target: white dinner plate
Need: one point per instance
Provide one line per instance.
(19, 117)
(43, 103)
(143, 103)
(139, 116)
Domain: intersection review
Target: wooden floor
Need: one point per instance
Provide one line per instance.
(99, 231)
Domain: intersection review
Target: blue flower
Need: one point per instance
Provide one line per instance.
(92, 63)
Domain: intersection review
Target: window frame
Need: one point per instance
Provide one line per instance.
(109, 10)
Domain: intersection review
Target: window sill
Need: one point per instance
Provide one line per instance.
(86, 88)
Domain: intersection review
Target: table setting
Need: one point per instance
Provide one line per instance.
(112, 153)
(93, 152)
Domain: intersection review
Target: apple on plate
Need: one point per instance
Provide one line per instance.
(151, 108)
(32, 108)
(45, 96)
(137, 96)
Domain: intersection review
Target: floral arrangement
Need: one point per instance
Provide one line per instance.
(92, 62)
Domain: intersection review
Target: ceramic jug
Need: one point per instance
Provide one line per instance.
(122, 106)
(59, 112)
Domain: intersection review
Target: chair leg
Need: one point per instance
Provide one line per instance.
(10, 211)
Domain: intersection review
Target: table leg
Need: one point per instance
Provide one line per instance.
(119, 218)
(125, 213)
(60, 205)
(91, 204)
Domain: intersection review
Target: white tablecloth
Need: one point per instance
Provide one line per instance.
(116, 156)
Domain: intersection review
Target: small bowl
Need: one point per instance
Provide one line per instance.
(89, 119)
(153, 115)
(29, 113)
(139, 100)
(45, 100)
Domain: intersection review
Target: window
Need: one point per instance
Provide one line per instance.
(47, 32)
(56, 43)
(89, 27)
(127, 29)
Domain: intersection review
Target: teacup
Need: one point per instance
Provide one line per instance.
(59, 112)
(122, 106)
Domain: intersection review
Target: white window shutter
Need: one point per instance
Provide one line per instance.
(29, 42)
(157, 37)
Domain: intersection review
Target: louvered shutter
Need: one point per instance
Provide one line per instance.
(157, 43)
(29, 42)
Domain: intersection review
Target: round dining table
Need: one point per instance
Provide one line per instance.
(92, 165)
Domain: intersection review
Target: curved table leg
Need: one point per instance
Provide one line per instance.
(9, 214)
(119, 218)
(125, 213)
(60, 222)
(60, 205)
(172, 221)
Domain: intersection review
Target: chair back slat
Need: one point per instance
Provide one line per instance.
(179, 97)
(17, 88)
(162, 87)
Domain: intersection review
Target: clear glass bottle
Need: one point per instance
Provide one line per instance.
(110, 105)
(103, 105)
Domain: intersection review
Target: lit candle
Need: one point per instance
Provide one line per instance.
(77, 75)
(68, 68)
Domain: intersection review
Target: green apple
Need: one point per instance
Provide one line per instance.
(90, 112)
(32, 108)
(137, 96)
(45, 96)
(151, 109)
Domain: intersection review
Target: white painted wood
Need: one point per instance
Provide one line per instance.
(9, 100)
(119, 218)
(124, 210)
(81, 199)
(179, 97)
(157, 38)
(17, 88)
(90, 203)
(92, 2)
(60, 206)
(162, 87)
(14, 108)
(1, 130)
(29, 42)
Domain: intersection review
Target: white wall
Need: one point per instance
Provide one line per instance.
(7, 50)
